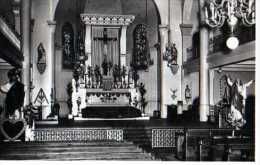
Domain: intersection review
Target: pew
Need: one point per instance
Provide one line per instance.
(214, 145)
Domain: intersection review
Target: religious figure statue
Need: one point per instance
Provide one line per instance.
(173, 95)
(69, 55)
(123, 75)
(116, 75)
(14, 91)
(237, 101)
(106, 65)
(187, 94)
(143, 101)
(97, 74)
(41, 54)
(171, 54)
(41, 60)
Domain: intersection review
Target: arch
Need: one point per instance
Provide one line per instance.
(57, 3)
(67, 11)
(135, 7)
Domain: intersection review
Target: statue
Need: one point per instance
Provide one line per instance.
(97, 74)
(116, 75)
(41, 61)
(41, 54)
(173, 95)
(14, 91)
(237, 101)
(171, 54)
(143, 101)
(123, 75)
(187, 94)
(106, 65)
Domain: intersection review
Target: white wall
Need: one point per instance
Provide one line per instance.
(42, 11)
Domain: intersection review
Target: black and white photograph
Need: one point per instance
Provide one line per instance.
(128, 80)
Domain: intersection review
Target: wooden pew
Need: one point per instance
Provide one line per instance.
(214, 144)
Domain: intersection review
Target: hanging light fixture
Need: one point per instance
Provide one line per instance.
(219, 11)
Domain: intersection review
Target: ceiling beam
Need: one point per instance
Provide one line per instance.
(242, 53)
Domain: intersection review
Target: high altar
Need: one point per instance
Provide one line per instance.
(103, 78)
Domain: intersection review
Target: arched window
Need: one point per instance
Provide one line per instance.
(141, 56)
(69, 57)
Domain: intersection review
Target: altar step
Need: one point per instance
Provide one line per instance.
(140, 136)
(111, 119)
(72, 151)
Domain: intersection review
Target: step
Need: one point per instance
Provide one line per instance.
(54, 144)
(78, 156)
(57, 152)
(72, 150)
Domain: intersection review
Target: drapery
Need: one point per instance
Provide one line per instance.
(98, 45)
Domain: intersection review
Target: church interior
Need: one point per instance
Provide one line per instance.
(170, 80)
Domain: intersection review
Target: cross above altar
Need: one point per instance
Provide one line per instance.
(119, 21)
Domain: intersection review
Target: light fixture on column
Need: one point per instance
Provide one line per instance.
(219, 11)
(170, 55)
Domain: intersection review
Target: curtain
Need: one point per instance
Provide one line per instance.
(98, 45)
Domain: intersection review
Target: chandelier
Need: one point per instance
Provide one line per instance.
(217, 11)
(231, 11)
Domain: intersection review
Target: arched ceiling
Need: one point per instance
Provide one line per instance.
(103, 7)
(116, 7)
(70, 10)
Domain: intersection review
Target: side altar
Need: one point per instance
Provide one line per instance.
(103, 84)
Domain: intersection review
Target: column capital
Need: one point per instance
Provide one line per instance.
(124, 26)
(163, 26)
(186, 29)
(52, 24)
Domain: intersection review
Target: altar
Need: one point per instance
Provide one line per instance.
(103, 82)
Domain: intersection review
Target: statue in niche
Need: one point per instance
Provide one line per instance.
(68, 46)
(41, 60)
(141, 55)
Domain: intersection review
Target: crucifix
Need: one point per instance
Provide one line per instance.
(106, 65)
